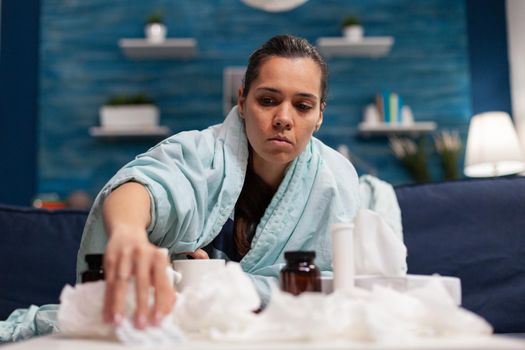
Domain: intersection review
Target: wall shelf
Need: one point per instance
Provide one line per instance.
(150, 132)
(368, 47)
(415, 129)
(169, 48)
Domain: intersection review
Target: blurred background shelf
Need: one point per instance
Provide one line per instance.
(169, 48)
(367, 47)
(415, 129)
(100, 132)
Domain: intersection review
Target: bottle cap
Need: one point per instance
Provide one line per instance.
(94, 261)
(299, 255)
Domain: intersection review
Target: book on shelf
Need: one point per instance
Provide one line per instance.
(390, 106)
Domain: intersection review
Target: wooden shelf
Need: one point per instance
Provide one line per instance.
(367, 47)
(151, 132)
(169, 48)
(415, 129)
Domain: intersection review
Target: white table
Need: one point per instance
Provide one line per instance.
(55, 342)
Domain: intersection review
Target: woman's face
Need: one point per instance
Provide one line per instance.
(281, 112)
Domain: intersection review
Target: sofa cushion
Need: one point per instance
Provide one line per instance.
(474, 230)
(37, 255)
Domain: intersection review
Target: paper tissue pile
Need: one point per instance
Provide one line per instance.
(220, 308)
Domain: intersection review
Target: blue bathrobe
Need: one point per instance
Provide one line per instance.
(194, 179)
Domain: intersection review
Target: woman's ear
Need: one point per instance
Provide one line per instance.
(319, 121)
(241, 101)
(321, 115)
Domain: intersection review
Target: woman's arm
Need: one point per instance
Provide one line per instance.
(126, 214)
(127, 205)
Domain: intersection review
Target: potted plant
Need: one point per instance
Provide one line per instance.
(352, 28)
(448, 147)
(413, 157)
(124, 111)
(155, 29)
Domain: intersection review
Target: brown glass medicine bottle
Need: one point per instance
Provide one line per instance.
(95, 271)
(300, 273)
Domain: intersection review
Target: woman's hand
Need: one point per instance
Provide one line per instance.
(126, 213)
(130, 254)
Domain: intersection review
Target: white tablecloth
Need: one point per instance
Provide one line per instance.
(55, 342)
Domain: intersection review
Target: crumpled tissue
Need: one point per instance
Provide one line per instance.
(378, 250)
(80, 316)
(220, 308)
(379, 315)
(222, 302)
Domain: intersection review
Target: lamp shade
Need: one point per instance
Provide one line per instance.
(493, 147)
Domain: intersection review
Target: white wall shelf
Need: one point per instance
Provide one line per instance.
(368, 47)
(384, 129)
(150, 132)
(169, 48)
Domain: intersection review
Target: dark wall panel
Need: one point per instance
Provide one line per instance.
(489, 65)
(18, 100)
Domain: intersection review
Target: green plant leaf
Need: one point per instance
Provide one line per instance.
(129, 99)
(350, 20)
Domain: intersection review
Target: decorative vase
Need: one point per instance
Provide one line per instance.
(129, 117)
(353, 33)
(155, 32)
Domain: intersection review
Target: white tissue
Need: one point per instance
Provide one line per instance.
(220, 308)
(224, 301)
(377, 248)
(80, 316)
(219, 302)
(380, 315)
(166, 333)
(80, 312)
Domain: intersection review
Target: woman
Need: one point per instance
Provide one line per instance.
(259, 183)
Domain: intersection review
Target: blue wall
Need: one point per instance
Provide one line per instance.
(18, 100)
(81, 65)
(489, 67)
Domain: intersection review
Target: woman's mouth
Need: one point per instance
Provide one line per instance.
(280, 140)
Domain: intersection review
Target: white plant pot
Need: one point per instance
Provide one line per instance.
(353, 33)
(129, 117)
(155, 32)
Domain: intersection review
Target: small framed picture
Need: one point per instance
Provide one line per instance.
(232, 81)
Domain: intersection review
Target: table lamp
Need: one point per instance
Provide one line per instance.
(493, 147)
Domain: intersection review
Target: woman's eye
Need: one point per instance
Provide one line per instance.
(266, 101)
(304, 107)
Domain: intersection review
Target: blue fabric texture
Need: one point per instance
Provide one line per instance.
(38, 254)
(473, 230)
(27, 323)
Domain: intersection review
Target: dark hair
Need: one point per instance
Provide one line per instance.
(284, 46)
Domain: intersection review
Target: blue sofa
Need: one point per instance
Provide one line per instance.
(38, 252)
(471, 229)
(474, 230)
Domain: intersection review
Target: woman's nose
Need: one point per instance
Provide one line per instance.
(283, 117)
